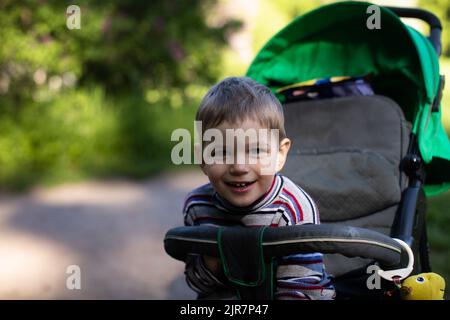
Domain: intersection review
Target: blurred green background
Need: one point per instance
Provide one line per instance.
(102, 101)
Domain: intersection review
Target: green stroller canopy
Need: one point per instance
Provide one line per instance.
(334, 40)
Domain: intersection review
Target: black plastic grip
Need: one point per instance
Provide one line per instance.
(431, 19)
(277, 242)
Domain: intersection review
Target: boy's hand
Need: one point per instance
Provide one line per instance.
(212, 263)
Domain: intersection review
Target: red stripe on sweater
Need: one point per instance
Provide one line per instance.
(195, 196)
(296, 202)
(289, 207)
(286, 285)
(270, 189)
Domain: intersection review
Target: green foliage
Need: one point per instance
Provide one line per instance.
(121, 45)
(101, 100)
(438, 221)
(279, 13)
(445, 103)
(441, 8)
(85, 133)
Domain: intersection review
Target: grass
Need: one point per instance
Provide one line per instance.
(438, 220)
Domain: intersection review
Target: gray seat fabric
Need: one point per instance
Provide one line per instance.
(346, 154)
(346, 184)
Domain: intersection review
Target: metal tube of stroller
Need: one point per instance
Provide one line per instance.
(405, 226)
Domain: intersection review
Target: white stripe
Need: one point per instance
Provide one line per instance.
(268, 210)
(296, 271)
(196, 202)
(293, 206)
(276, 218)
(191, 239)
(257, 219)
(303, 280)
(305, 201)
(307, 207)
(380, 244)
(271, 197)
(277, 188)
(314, 209)
(287, 215)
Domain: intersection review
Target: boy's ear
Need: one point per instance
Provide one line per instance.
(283, 150)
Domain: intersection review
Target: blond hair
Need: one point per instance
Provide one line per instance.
(235, 99)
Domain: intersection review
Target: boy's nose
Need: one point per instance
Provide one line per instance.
(238, 169)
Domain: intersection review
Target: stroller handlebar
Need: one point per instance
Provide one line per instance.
(278, 242)
(432, 20)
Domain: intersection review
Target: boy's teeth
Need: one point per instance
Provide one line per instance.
(239, 184)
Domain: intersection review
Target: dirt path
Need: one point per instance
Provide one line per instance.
(112, 230)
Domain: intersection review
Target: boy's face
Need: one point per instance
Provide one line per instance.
(241, 178)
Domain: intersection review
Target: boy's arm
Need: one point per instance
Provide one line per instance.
(202, 272)
(213, 264)
(303, 277)
(199, 278)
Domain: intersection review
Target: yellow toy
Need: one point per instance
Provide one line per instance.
(424, 286)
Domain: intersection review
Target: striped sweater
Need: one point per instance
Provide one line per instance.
(299, 276)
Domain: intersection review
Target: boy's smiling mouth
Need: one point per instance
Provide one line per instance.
(240, 186)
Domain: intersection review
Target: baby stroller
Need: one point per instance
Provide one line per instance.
(368, 159)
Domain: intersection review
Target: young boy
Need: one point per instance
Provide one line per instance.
(243, 193)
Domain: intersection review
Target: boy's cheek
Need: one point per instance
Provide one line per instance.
(268, 165)
(213, 171)
(198, 153)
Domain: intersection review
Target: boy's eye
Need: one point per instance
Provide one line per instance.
(258, 152)
(220, 153)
